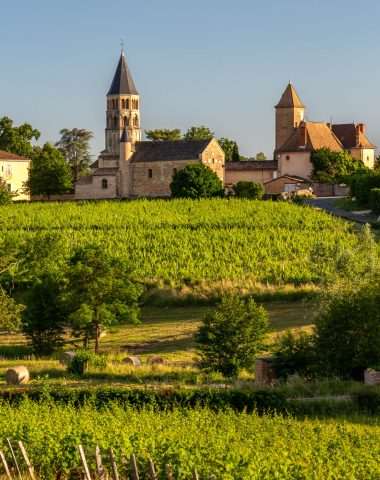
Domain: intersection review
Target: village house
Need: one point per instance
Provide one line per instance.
(14, 170)
(129, 167)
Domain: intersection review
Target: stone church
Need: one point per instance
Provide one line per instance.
(130, 167)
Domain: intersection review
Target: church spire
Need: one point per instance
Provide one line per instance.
(289, 98)
(122, 83)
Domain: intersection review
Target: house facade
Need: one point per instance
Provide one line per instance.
(14, 171)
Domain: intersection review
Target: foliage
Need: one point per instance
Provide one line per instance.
(6, 196)
(260, 157)
(228, 444)
(198, 133)
(10, 313)
(100, 293)
(163, 134)
(17, 139)
(232, 336)
(334, 167)
(84, 361)
(49, 173)
(374, 199)
(295, 353)
(44, 319)
(348, 330)
(362, 184)
(230, 148)
(245, 189)
(196, 181)
(74, 145)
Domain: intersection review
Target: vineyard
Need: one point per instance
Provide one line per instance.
(182, 241)
(230, 445)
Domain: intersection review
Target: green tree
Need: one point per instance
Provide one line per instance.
(10, 313)
(230, 148)
(232, 336)
(260, 157)
(196, 181)
(334, 167)
(74, 145)
(163, 134)
(100, 293)
(45, 317)
(6, 196)
(245, 189)
(198, 133)
(17, 139)
(49, 173)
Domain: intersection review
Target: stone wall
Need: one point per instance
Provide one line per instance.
(264, 372)
(94, 189)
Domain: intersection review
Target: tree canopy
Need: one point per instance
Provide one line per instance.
(163, 134)
(6, 196)
(74, 145)
(198, 133)
(333, 167)
(230, 148)
(196, 181)
(49, 172)
(17, 140)
(10, 312)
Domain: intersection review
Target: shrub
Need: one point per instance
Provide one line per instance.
(374, 199)
(361, 186)
(196, 181)
(6, 196)
(84, 360)
(253, 190)
(232, 336)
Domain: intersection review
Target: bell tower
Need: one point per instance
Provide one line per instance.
(123, 108)
(290, 113)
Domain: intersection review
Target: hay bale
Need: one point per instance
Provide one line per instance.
(154, 359)
(66, 357)
(17, 375)
(132, 360)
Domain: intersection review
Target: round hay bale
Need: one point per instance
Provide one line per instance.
(17, 375)
(132, 360)
(66, 357)
(154, 359)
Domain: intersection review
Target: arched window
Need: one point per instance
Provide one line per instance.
(150, 173)
(104, 183)
(135, 121)
(126, 121)
(127, 103)
(123, 103)
(114, 121)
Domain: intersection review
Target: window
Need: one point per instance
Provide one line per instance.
(150, 173)
(287, 157)
(126, 122)
(123, 103)
(114, 121)
(104, 183)
(135, 121)
(127, 104)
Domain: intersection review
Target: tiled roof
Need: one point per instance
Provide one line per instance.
(346, 133)
(290, 99)
(161, 151)
(11, 156)
(319, 135)
(122, 83)
(95, 164)
(295, 178)
(267, 164)
(105, 171)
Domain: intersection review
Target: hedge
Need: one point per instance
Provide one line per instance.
(374, 200)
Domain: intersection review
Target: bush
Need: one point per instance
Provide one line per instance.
(84, 360)
(348, 331)
(253, 190)
(231, 337)
(361, 186)
(196, 181)
(6, 196)
(374, 199)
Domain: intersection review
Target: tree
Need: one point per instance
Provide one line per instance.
(334, 167)
(74, 145)
(232, 336)
(6, 196)
(10, 313)
(245, 189)
(17, 139)
(230, 148)
(49, 173)
(348, 330)
(163, 134)
(45, 318)
(196, 181)
(100, 293)
(198, 133)
(260, 157)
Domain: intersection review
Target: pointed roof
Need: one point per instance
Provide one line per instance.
(122, 83)
(290, 99)
(125, 137)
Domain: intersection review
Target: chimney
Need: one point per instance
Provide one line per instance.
(302, 135)
(359, 130)
(361, 127)
(329, 125)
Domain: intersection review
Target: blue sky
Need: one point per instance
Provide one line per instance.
(217, 63)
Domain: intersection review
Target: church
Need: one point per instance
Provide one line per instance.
(130, 167)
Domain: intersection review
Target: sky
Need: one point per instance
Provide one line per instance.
(216, 63)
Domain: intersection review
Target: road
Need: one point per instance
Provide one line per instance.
(327, 203)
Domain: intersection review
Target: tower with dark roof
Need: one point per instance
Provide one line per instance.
(289, 114)
(123, 108)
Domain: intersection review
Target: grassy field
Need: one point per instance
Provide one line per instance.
(167, 332)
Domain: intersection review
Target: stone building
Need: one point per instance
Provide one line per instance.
(14, 170)
(129, 167)
(250, 171)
